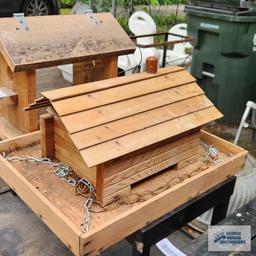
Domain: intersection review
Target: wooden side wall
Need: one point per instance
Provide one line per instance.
(24, 85)
(115, 178)
(96, 70)
(66, 152)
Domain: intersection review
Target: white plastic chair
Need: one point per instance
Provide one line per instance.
(178, 55)
(243, 124)
(140, 23)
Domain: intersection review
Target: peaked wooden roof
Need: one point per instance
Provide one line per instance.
(111, 118)
(62, 39)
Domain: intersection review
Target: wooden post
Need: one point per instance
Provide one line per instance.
(24, 84)
(131, 7)
(114, 8)
(94, 70)
(47, 136)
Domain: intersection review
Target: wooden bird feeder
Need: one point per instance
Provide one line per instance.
(92, 45)
(121, 131)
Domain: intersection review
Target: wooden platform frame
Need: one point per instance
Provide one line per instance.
(126, 223)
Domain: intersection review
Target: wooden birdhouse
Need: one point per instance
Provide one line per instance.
(91, 43)
(120, 131)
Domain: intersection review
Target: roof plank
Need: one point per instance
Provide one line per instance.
(113, 130)
(73, 91)
(120, 93)
(112, 118)
(112, 149)
(105, 114)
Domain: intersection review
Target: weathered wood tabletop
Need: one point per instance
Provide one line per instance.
(55, 40)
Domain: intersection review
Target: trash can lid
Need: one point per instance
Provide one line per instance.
(228, 7)
(244, 15)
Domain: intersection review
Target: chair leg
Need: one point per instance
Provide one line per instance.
(245, 115)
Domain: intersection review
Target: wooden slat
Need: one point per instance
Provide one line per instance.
(47, 135)
(68, 92)
(36, 106)
(8, 96)
(73, 160)
(129, 143)
(118, 165)
(100, 98)
(138, 122)
(97, 70)
(155, 168)
(108, 113)
(148, 163)
(6, 92)
(187, 162)
(114, 197)
(66, 152)
(7, 130)
(220, 143)
(20, 141)
(78, 167)
(41, 99)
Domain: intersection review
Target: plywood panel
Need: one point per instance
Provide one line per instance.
(55, 40)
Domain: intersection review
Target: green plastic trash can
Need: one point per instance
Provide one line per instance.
(224, 58)
(218, 2)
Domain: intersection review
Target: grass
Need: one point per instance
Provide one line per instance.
(65, 11)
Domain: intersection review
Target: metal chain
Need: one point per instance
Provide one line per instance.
(211, 152)
(64, 173)
(31, 159)
(88, 204)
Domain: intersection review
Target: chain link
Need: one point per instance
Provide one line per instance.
(64, 172)
(87, 206)
(211, 152)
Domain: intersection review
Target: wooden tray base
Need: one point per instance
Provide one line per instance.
(53, 200)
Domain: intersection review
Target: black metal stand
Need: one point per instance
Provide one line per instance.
(217, 198)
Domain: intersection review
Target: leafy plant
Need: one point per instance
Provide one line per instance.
(106, 4)
(67, 3)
